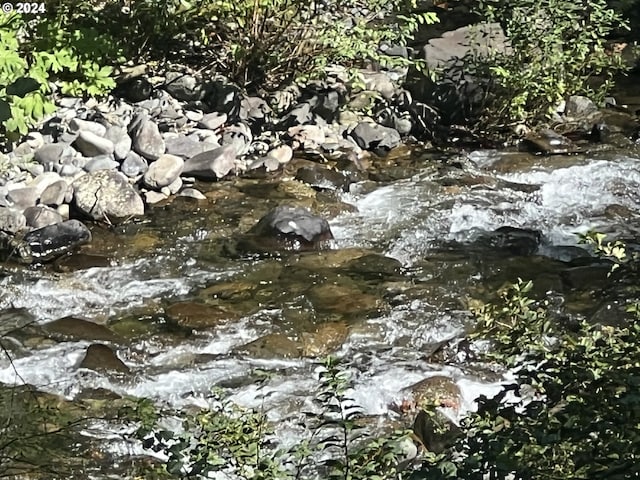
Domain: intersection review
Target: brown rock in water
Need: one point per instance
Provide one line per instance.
(273, 345)
(102, 358)
(343, 300)
(430, 425)
(327, 338)
(197, 315)
(73, 328)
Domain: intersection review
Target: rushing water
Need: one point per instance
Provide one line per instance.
(415, 221)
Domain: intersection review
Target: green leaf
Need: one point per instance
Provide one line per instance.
(22, 86)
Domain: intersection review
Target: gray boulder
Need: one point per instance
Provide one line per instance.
(92, 145)
(11, 220)
(55, 194)
(133, 165)
(293, 223)
(147, 140)
(121, 141)
(213, 121)
(164, 171)
(374, 137)
(183, 87)
(106, 195)
(41, 216)
(185, 147)
(212, 164)
(55, 240)
(49, 154)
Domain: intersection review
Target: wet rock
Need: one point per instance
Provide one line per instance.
(273, 345)
(376, 138)
(323, 178)
(548, 142)
(437, 390)
(197, 315)
(133, 165)
(293, 224)
(41, 216)
(91, 145)
(343, 300)
(373, 266)
(102, 358)
(192, 193)
(516, 241)
(106, 195)
(11, 220)
(80, 261)
(587, 277)
(326, 339)
(165, 170)
(74, 328)
(183, 87)
(55, 240)
(212, 164)
(147, 140)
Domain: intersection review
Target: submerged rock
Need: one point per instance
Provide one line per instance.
(273, 345)
(326, 339)
(197, 315)
(294, 225)
(74, 328)
(102, 358)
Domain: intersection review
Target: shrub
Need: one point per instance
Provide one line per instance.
(260, 44)
(557, 48)
(34, 53)
(241, 442)
(574, 410)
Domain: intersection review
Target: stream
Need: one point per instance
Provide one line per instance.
(398, 275)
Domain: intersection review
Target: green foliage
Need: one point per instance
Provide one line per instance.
(240, 442)
(576, 409)
(613, 250)
(557, 49)
(34, 53)
(37, 433)
(353, 456)
(225, 438)
(259, 43)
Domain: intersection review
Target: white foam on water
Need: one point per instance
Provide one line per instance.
(100, 291)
